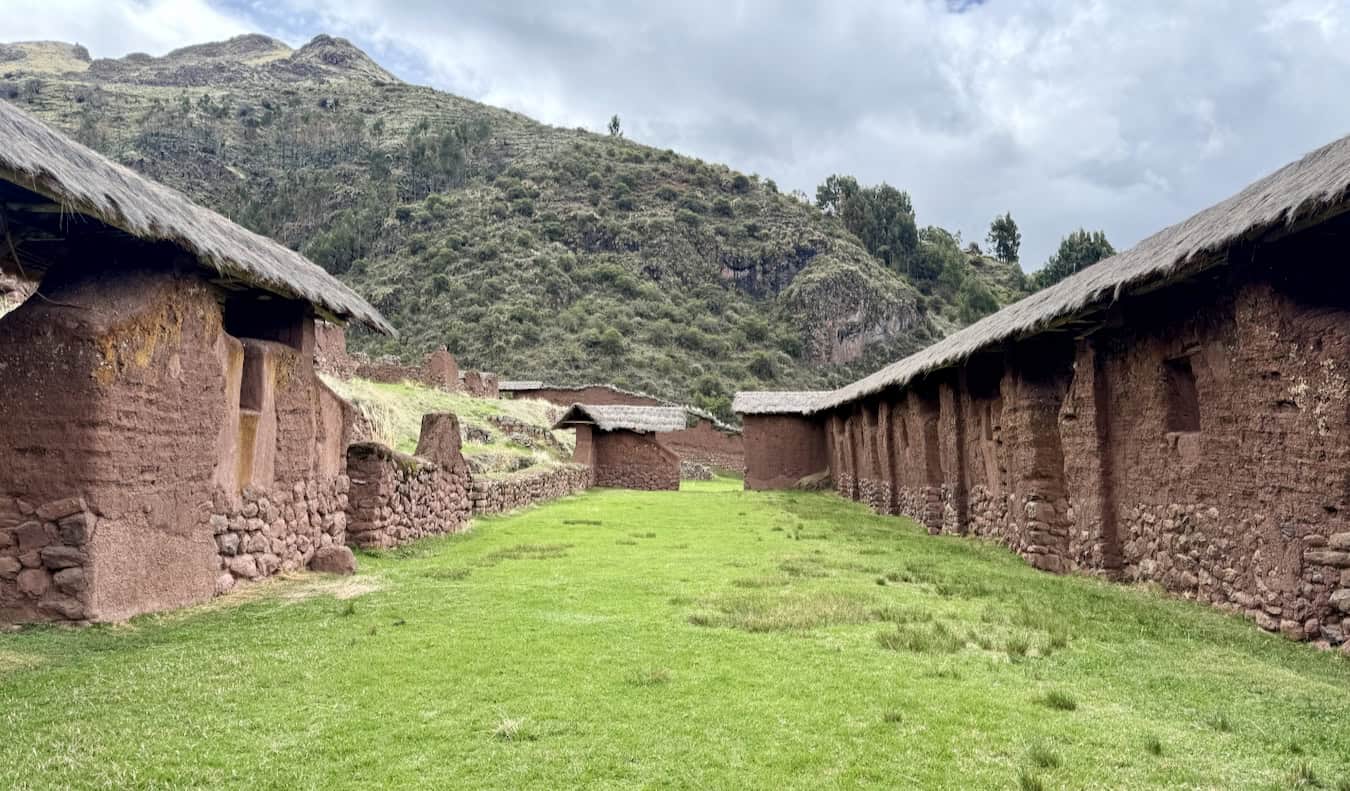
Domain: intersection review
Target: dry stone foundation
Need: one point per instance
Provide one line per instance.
(260, 533)
(43, 574)
(396, 498)
(507, 493)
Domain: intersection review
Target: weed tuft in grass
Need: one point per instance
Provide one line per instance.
(643, 535)
(894, 613)
(1302, 775)
(802, 568)
(1027, 781)
(453, 573)
(881, 581)
(1017, 647)
(892, 717)
(348, 609)
(1043, 757)
(593, 522)
(651, 677)
(512, 730)
(1153, 745)
(627, 542)
(702, 619)
(526, 552)
(1059, 700)
(767, 581)
(937, 639)
(1219, 721)
(1294, 748)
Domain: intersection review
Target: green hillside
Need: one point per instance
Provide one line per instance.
(529, 250)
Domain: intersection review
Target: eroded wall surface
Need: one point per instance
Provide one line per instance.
(780, 450)
(628, 460)
(1198, 438)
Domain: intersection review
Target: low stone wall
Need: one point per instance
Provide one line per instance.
(42, 559)
(260, 532)
(529, 435)
(498, 495)
(695, 471)
(397, 498)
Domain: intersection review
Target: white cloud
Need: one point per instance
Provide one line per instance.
(112, 28)
(1125, 116)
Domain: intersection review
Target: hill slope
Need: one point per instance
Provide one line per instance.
(530, 250)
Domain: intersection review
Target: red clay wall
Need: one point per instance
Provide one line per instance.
(780, 450)
(123, 395)
(628, 460)
(702, 442)
(1205, 449)
(705, 443)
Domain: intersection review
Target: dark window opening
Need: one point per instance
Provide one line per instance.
(1183, 399)
(266, 319)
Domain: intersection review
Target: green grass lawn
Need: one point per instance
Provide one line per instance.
(709, 638)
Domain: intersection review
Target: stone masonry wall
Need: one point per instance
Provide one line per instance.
(507, 493)
(43, 559)
(396, 498)
(263, 532)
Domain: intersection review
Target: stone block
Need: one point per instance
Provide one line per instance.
(70, 580)
(1339, 541)
(243, 566)
(60, 509)
(33, 535)
(1327, 557)
(60, 556)
(224, 583)
(228, 543)
(1341, 600)
(34, 582)
(10, 568)
(334, 560)
(76, 528)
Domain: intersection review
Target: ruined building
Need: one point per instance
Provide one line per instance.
(623, 445)
(704, 439)
(164, 432)
(1176, 413)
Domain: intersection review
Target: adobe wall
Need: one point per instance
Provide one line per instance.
(509, 492)
(701, 442)
(125, 392)
(629, 460)
(1205, 449)
(704, 443)
(780, 450)
(114, 394)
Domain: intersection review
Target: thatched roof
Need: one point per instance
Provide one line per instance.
(628, 418)
(1300, 193)
(528, 385)
(37, 158)
(777, 402)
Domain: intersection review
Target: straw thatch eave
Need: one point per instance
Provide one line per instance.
(650, 419)
(1298, 196)
(81, 181)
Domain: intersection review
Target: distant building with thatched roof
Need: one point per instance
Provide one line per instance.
(623, 444)
(1178, 413)
(164, 432)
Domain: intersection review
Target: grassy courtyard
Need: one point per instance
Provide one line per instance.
(703, 639)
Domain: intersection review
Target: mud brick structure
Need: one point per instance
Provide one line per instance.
(704, 439)
(502, 493)
(1178, 414)
(164, 431)
(622, 444)
(439, 369)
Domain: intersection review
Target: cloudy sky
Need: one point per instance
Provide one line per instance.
(1125, 116)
